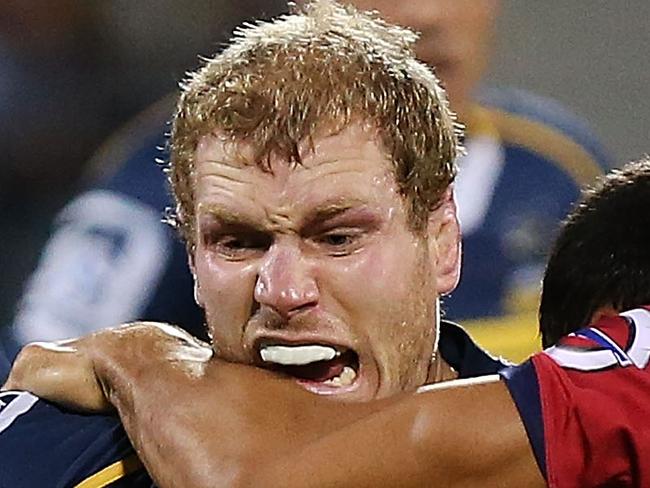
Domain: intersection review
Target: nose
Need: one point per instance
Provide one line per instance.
(285, 282)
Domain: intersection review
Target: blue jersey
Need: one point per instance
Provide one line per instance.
(527, 159)
(112, 260)
(43, 445)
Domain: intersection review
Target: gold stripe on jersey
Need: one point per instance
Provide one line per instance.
(123, 142)
(570, 156)
(514, 337)
(112, 473)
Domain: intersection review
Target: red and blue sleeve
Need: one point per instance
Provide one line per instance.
(584, 404)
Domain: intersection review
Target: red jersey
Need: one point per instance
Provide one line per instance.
(585, 404)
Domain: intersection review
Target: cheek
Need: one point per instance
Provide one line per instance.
(388, 296)
(373, 283)
(357, 280)
(226, 291)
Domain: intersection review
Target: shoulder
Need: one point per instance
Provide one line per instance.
(547, 129)
(611, 343)
(144, 131)
(102, 265)
(43, 445)
(590, 391)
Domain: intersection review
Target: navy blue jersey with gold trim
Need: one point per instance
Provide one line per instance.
(42, 445)
(527, 159)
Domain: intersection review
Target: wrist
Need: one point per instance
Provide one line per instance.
(115, 367)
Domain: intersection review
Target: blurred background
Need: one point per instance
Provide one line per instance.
(592, 55)
(72, 72)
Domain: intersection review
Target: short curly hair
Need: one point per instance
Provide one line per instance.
(319, 68)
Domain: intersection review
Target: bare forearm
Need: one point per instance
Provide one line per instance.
(229, 435)
(217, 428)
(196, 421)
(420, 441)
(166, 439)
(153, 389)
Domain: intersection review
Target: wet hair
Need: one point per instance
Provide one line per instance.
(311, 73)
(602, 256)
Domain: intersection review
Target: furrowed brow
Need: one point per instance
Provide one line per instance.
(331, 210)
(227, 217)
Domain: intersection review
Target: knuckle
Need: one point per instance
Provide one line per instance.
(24, 361)
(28, 355)
(33, 360)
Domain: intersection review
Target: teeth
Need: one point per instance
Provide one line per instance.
(346, 378)
(297, 355)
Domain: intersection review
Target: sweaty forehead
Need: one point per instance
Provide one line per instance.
(357, 139)
(347, 168)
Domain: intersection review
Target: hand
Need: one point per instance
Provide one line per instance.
(81, 373)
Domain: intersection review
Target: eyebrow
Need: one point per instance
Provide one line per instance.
(317, 216)
(330, 210)
(228, 217)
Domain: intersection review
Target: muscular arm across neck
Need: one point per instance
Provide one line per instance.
(238, 426)
(196, 421)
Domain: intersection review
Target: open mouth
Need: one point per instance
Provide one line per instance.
(313, 364)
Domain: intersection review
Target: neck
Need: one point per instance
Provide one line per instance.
(440, 370)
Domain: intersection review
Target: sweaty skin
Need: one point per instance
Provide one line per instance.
(300, 254)
(233, 425)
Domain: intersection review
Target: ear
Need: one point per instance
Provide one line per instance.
(197, 288)
(445, 243)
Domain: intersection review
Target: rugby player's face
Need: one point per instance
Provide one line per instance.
(455, 37)
(312, 270)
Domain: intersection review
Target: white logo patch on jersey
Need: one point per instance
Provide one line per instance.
(476, 183)
(13, 404)
(103, 262)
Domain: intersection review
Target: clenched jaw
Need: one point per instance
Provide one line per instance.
(321, 368)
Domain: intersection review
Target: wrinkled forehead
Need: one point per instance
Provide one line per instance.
(329, 143)
(347, 168)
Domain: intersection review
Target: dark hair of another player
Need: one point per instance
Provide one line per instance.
(602, 255)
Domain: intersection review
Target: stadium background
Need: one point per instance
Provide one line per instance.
(71, 72)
